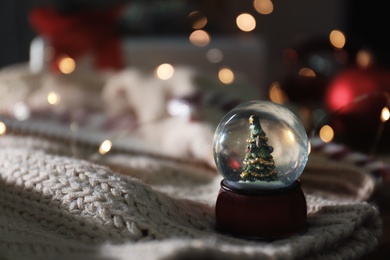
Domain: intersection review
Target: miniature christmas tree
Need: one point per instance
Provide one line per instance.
(259, 163)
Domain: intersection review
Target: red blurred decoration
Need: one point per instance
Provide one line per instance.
(341, 95)
(354, 82)
(92, 31)
(355, 99)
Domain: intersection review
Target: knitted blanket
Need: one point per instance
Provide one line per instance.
(135, 206)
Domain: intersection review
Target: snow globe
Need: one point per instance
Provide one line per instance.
(261, 149)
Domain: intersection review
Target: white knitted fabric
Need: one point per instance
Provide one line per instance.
(54, 206)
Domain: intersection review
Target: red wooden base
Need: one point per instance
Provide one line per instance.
(265, 215)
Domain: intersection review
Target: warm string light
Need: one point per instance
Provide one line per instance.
(276, 93)
(53, 98)
(105, 147)
(307, 72)
(263, 6)
(326, 133)
(66, 65)
(198, 20)
(3, 128)
(200, 38)
(226, 75)
(246, 22)
(337, 39)
(164, 71)
(385, 115)
(364, 59)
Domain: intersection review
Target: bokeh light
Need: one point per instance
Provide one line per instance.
(3, 128)
(200, 38)
(276, 93)
(226, 75)
(337, 39)
(385, 114)
(263, 6)
(246, 22)
(214, 55)
(53, 98)
(66, 65)
(307, 72)
(164, 71)
(364, 58)
(326, 133)
(105, 147)
(197, 19)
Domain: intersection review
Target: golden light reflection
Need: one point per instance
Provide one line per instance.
(309, 148)
(385, 114)
(337, 39)
(276, 94)
(364, 58)
(326, 133)
(164, 71)
(226, 75)
(66, 65)
(246, 22)
(200, 38)
(263, 6)
(3, 128)
(197, 19)
(105, 147)
(53, 98)
(290, 136)
(307, 72)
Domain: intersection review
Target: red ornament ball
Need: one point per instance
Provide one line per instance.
(354, 100)
(355, 82)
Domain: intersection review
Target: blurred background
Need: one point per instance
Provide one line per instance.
(154, 62)
(324, 59)
(279, 25)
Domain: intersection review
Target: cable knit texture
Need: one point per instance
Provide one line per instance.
(54, 206)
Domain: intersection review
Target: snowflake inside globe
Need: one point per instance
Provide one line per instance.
(260, 145)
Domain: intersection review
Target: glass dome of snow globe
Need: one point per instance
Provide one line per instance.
(260, 145)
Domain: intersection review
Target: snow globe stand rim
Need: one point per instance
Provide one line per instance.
(226, 185)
